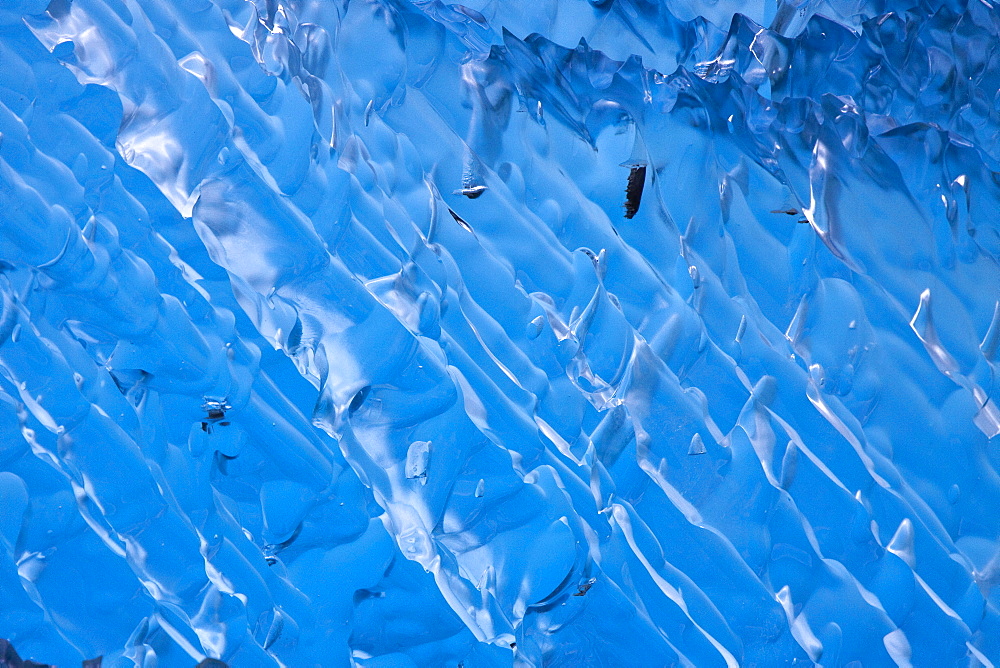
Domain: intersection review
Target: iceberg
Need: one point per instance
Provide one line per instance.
(398, 333)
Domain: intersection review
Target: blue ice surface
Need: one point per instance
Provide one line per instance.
(326, 339)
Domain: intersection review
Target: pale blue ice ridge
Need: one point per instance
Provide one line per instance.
(330, 335)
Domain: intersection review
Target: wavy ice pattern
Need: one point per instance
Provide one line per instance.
(327, 340)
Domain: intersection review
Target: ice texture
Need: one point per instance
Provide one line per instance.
(508, 333)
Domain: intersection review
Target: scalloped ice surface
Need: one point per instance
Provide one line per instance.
(326, 338)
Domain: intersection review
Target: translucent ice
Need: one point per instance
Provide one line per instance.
(535, 333)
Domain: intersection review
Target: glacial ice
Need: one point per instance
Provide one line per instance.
(536, 333)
